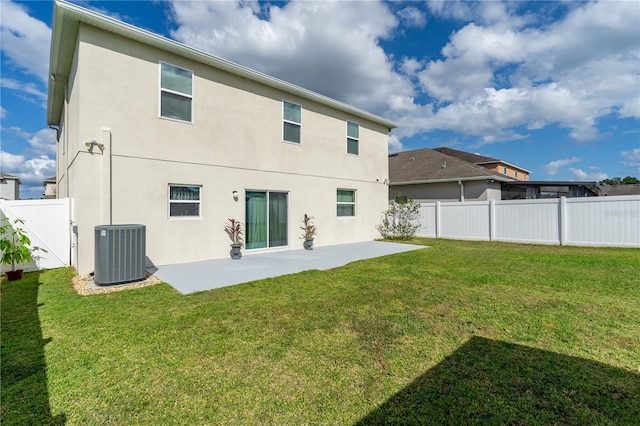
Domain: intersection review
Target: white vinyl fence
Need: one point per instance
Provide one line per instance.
(46, 223)
(589, 221)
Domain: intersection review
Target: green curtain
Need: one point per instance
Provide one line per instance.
(277, 219)
(266, 213)
(346, 202)
(256, 220)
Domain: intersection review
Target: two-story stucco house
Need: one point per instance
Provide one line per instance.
(9, 187)
(154, 132)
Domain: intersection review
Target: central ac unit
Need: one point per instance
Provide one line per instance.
(120, 254)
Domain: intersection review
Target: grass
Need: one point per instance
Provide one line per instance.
(463, 332)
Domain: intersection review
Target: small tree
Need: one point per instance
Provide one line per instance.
(309, 228)
(14, 243)
(234, 229)
(400, 220)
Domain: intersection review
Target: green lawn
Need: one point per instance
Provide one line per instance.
(462, 332)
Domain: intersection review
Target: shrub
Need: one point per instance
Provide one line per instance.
(400, 220)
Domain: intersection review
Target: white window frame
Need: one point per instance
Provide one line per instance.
(173, 92)
(515, 174)
(170, 201)
(352, 138)
(345, 203)
(291, 122)
(504, 171)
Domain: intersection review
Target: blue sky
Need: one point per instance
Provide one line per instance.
(553, 87)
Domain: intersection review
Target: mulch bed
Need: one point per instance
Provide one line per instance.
(86, 286)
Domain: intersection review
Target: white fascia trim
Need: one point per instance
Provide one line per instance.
(453, 180)
(106, 23)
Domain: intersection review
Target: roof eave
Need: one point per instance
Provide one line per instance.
(462, 179)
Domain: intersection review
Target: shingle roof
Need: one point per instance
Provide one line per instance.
(8, 176)
(466, 156)
(613, 190)
(476, 158)
(429, 165)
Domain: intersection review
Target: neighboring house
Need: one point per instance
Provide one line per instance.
(548, 189)
(429, 175)
(492, 164)
(9, 187)
(49, 187)
(613, 190)
(157, 133)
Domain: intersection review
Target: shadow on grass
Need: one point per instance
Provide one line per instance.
(492, 382)
(25, 398)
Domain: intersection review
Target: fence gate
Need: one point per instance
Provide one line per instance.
(46, 223)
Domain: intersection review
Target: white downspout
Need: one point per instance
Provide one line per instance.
(461, 191)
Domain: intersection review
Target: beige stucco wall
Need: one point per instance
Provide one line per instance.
(448, 191)
(234, 143)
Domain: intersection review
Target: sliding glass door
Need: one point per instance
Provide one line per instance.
(266, 219)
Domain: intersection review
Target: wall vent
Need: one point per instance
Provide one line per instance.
(120, 254)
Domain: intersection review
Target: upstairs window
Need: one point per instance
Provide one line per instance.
(353, 137)
(176, 92)
(346, 202)
(184, 201)
(292, 122)
(516, 174)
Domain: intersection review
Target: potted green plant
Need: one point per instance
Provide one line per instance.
(234, 229)
(15, 246)
(309, 231)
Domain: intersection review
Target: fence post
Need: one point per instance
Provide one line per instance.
(492, 220)
(437, 219)
(562, 220)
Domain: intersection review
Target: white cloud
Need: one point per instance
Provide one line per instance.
(31, 170)
(455, 79)
(10, 162)
(43, 141)
(328, 47)
(412, 17)
(410, 66)
(3, 112)
(19, 132)
(394, 144)
(593, 175)
(632, 159)
(506, 73)
(25, 40)
(447, 9)
(553, 168)
(32, 173)
(24, 87)
(505, 70)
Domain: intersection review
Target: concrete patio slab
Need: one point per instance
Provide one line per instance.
(210, 274)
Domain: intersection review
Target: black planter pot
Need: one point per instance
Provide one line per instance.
(308, 244)
(235, 251)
